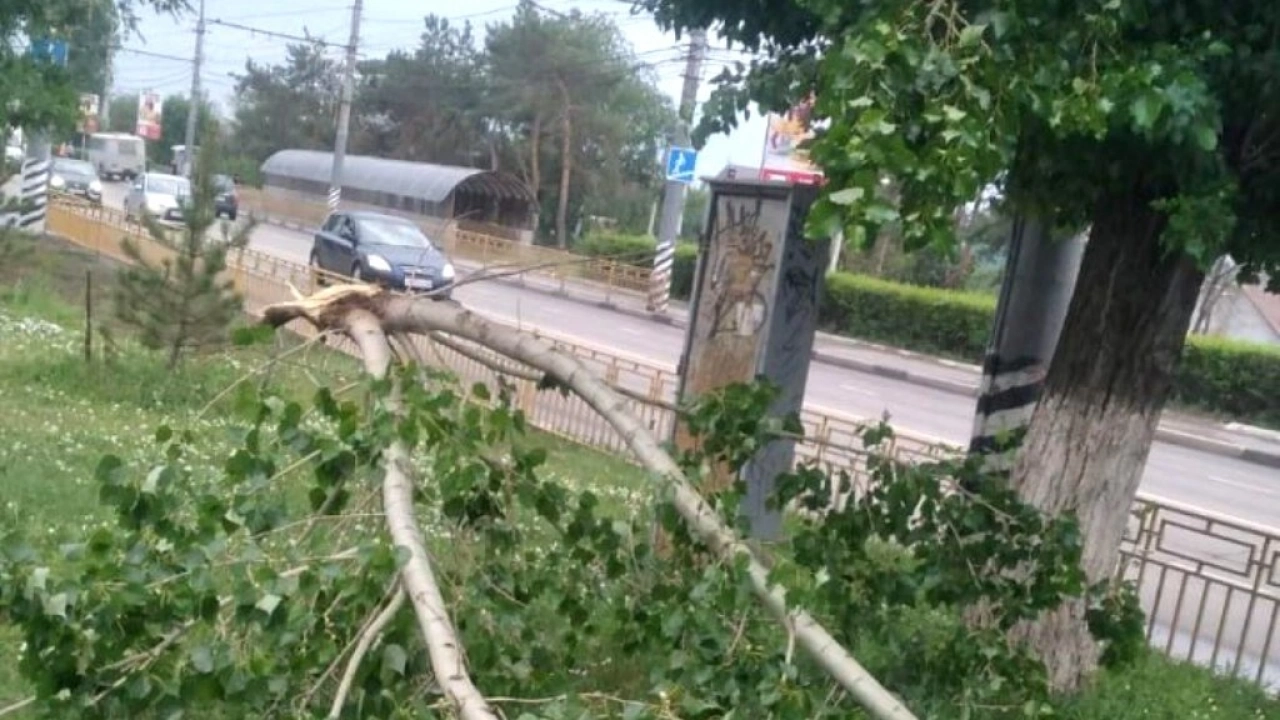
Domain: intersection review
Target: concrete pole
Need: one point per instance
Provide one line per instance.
(673, 196)
(344, 110)
(1040, 277)
(193, 113)
(35, 183)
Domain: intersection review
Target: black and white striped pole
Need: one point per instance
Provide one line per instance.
(38, 159)
(35, 183)
(674, 190)
(1040, 277)
(344, 110)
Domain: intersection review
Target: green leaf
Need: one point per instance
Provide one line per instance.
(394, 659)
(480, 391)
(1206, 137)
(1146, 110)
(972, 35)
(269, 603)
(202, 659)
(56, 605)
(847, 196)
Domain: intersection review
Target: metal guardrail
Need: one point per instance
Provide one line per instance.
(1210, 584)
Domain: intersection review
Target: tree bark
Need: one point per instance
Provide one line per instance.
(535, 168)
(566, 168)
(1089, 438)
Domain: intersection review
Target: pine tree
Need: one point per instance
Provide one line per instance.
(182, 301)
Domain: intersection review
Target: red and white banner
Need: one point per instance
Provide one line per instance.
(150, 111)
(784, 159)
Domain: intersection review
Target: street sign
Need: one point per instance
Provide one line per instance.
(88, 122)
(55, 51)
(680, 164)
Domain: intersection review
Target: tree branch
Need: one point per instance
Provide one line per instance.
(379, 313)
(371, 633)
(417, 577)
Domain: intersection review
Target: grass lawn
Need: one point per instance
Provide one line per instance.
(62, 414)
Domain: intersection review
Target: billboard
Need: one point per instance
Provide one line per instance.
(150, 110)
(88, 119)
(784, 159)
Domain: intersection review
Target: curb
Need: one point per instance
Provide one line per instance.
(1265, 458)
(1222, 448)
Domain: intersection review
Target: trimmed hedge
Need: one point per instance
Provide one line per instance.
(928, 320)
(638, 250)
(1235, 379)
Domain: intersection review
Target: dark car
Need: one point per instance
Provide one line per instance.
(76, 177)
(226, 202)
(383, 249)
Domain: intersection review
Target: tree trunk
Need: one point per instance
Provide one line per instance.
(566, 169)
(1087, 445)
(535, 168)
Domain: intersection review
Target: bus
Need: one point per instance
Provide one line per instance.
(117, 155)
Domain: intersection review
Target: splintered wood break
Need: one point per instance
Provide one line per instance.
(326, 308)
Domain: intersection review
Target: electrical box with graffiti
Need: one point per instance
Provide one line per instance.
(754, 313)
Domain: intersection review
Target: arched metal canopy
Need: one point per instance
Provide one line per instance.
(401, 178)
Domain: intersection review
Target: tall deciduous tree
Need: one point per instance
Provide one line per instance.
(183, 302)
(173, 127)
(571, 78)
(1153, 123)
(427, 105)
(293, 105)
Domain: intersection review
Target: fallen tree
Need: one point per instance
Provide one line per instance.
(368, 315)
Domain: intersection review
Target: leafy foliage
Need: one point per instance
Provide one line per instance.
(291, 105)
(35, 94)
(639, 250)
(183, 301)
(231, 594)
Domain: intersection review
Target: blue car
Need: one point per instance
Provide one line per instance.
(382, 249)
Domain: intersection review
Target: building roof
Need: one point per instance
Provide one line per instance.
(1268, 305)
(424, 181)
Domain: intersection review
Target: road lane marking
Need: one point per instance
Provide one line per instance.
(1245, 486)
(860, 390)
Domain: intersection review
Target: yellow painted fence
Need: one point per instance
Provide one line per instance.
(1210, 584)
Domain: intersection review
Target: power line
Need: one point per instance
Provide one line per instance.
(278, 35)
(148, 53)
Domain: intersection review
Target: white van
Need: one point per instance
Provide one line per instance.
(117, 155)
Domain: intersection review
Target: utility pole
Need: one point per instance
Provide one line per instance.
(344, 110)
(104, 107)
(1039, 280)
(673, 195)
(193, 112)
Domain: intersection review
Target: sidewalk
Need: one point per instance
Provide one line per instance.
(1244, 442)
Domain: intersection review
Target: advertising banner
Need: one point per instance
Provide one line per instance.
(150, 110)
(88, 120)
(784, 159)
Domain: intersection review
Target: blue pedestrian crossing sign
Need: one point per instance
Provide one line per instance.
(680, 164)
(50, 50)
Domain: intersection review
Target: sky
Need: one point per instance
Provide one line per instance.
(388, 25)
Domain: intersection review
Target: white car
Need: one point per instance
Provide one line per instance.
(159, 195)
